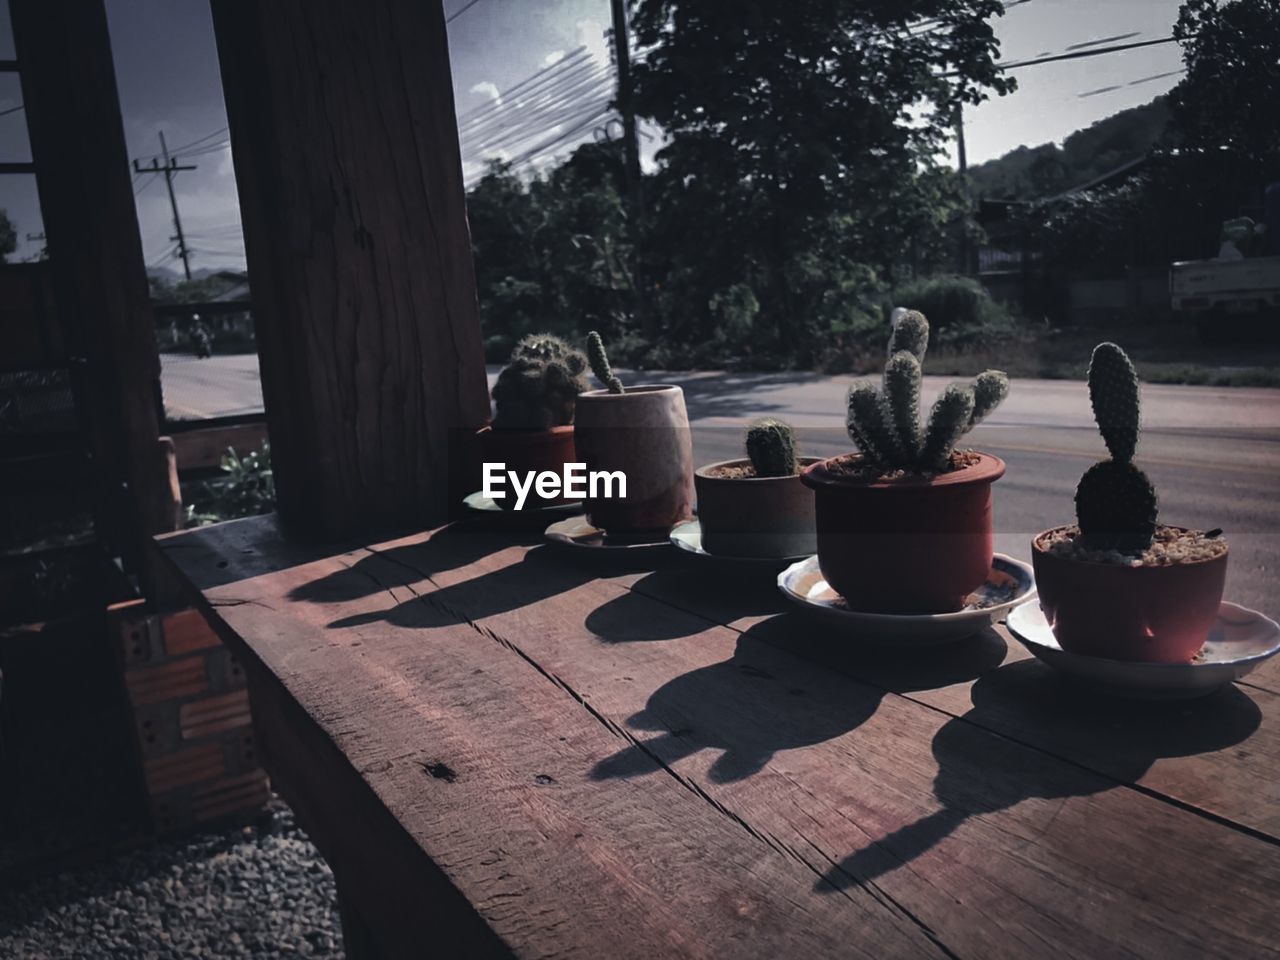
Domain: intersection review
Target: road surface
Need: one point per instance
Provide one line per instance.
(1213, 453)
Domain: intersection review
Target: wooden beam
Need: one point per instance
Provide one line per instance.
(345, 146)
(95, 255)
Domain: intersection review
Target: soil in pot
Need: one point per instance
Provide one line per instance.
(900, 542)
(743, 515)
(644, 434)
(529, 451)
(1156, 605)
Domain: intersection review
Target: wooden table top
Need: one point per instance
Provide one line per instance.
(505, 749)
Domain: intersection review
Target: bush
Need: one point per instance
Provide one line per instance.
(952, 302)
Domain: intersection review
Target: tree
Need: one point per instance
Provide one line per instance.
(8, 236)
(805, 144)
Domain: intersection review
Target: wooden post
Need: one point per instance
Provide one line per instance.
(95, 255)
(346, 153)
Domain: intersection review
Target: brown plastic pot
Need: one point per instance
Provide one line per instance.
(644, 433)
(754, 516)
(1157, 614)
(911, 545)
(526, 451)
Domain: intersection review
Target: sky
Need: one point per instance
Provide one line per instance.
(168, 79)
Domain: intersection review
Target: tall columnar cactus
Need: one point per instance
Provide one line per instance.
(600, 364)
(885, 424)
(1115, 501)
(771, 445)
(538, 389)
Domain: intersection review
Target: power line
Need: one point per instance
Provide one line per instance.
(5, 113)
(207, 136)
(454, 16)
(1081, 54)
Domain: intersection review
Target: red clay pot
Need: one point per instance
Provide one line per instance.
(529, 450)
(1148, 614)
(913, 545)
(644, 433)
(754, 516)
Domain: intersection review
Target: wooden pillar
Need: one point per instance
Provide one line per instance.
(346, 154)
(95, 256)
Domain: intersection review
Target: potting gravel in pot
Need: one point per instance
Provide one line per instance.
(535, 398)
(904, 525)
(758, 506)
(1117, 583)
(642, 432)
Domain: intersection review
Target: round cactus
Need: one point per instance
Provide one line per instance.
(771, 445)
(539, 388)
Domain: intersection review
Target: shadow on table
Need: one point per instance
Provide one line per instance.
(759, 702)
(981, 773)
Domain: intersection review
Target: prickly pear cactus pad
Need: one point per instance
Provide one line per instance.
(885, 424)
(1113, 391)
(771, 445)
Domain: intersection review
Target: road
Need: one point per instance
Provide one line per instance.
(1213, 453)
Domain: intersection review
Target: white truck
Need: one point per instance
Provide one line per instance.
(1231, 294)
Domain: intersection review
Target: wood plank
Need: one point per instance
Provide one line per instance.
(1194, 753)
(345, 146)
(996, 848)
(449, 728)
(941, 816)
(203, 448)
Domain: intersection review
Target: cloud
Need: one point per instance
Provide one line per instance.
(488, 88)
(554, 57)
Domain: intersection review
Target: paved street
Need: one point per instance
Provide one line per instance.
(1213, 453)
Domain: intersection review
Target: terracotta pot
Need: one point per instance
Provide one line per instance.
(644, 433)
(1149, 614)
(755, 516)
(912, 545)
(527, 451)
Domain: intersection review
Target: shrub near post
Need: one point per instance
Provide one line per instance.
(641, 432)
(904, 525)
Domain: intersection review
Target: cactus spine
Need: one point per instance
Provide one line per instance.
(599, 361)
(1116, 504)
(538, 389)
(885, 424)
(771, 445)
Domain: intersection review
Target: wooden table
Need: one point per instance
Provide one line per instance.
(503, 751)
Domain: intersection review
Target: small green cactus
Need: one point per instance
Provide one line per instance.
(538, 389)
(600, 364)
(771, 445)
(885, 424)
(1116, 504)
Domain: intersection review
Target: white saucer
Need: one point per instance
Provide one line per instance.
(1239, 641)
(479, 502)
(1009, 583)
(579, 533)
(688, 537)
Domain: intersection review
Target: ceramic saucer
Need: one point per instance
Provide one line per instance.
(578, 533)
(688, 537)
(480, 503)
(1239, 641)
(1009, 583)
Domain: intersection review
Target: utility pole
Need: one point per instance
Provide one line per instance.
(963, 156)
(630, 145)
(169, 168)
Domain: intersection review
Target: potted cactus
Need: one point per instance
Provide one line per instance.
(757, 507)
(904, 524)
(534, 400)
(1117, 583)
(642, 432)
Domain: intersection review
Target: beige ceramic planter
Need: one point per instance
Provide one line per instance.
(755, 516)
(645, 434)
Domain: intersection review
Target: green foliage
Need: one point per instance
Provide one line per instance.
(1115, 501)
(539, 387)
(599, 361)
(886, 425)
(8, 236)
(771, 445)
(955, 303)
(245, 489)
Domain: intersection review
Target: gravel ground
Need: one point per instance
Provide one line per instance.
(261, 891)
